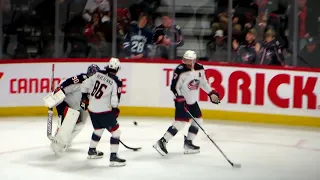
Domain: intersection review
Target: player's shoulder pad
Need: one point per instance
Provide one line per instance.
(103, 71)
(181, 68)
(116, 79)
(198, 66)
(82, 77)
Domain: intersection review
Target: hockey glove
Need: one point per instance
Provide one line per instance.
(116, 111)
(180, 102)
(214, 97)
(84, 101)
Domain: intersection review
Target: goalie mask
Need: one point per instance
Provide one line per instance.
(189, 58)
(92, 69)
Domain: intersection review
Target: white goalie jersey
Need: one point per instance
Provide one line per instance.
(186, 82)
(104, 89)
(69, 91)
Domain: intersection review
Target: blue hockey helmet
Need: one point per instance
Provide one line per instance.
(92, 69)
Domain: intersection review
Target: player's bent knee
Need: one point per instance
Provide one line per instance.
(199, 121)
(179, 124)
(116, 133)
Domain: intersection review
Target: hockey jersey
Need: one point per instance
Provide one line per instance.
(186, 82)
(105, 91)
(271, 54)
(175, 34)
(72, 90)
(137, 41)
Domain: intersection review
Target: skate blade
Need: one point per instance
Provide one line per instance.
(191, 151)
(94, 157)
(156, 147)
(117, 164)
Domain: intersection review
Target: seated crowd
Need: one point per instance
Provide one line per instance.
(261, 33)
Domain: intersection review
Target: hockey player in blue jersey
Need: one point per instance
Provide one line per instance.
(72, 118)
(138, 40)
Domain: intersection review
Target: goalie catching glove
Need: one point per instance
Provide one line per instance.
(84, 101)
(214, 97)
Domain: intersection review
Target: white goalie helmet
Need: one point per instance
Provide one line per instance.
(114, 64)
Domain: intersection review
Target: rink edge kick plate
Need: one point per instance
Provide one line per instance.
(169, 113)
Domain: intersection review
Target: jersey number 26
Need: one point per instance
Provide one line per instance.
(98, 88)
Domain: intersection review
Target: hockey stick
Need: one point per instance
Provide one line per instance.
(50, 110)
(128, 147)
(231, 163)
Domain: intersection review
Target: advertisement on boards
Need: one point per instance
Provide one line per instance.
(257, 90)
(242, 89)
(26, 84)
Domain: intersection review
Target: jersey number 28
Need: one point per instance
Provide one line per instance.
(137, 47)
(98, 88)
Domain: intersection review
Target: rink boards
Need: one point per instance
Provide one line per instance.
(249, 94)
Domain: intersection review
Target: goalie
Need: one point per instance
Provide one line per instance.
(66, 98)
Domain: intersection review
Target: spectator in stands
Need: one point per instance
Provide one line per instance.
(217, 49)
(101, 6)
(309, 56)
(220, 21)
(246, 52)
(150, 7)
(261, 17)
(95, 36)
(92, 27)
(167, 37)
(308, 22)
(138, 41)
(242, 14)
(269, 52)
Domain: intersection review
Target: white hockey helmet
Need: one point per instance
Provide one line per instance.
(114, 64)
(189, 55)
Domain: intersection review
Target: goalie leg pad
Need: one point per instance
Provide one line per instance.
(64, 134)
(79, 126)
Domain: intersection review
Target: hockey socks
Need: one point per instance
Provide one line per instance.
(171, 132)
(114, 145)
(192, 132)
(95, 138)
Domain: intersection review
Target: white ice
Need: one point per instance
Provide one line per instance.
(265, 153)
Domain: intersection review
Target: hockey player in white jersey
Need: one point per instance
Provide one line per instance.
(187, 79)
(101, 96)
(67, 98)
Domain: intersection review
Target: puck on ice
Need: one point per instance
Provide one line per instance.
(135, 123)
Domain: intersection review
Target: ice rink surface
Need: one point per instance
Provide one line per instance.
(265, 153)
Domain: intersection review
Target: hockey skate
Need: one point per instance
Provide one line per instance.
(115, 161)
(190, 148)
(94, 154)
(160, 146)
